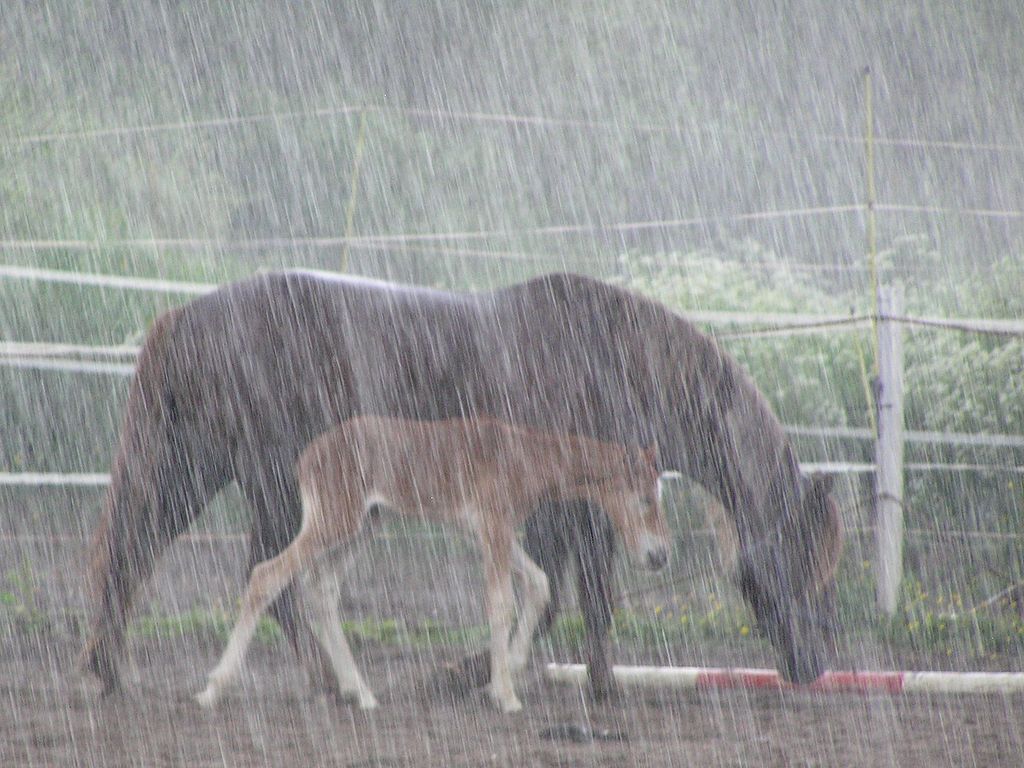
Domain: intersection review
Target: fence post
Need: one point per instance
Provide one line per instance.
(889, 450)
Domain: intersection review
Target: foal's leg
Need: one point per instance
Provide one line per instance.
(545, 543)
(323, 590)
(266, 583)
(536, 594)
(497, 546)
(273, 497)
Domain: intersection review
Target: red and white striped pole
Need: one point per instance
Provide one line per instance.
(706, 678)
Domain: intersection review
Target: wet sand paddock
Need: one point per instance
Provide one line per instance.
(50, 716)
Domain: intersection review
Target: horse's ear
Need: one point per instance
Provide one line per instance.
(821, 485)
(823, 527)
(814, 508)
(650, 453)
(820, 515)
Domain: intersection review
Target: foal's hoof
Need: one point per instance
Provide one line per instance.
(506, 703)
(208, 698)
(509, 707)
(365, 700)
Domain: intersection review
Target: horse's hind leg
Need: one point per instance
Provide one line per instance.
(158, 487)
(323, 593)
(546, 542)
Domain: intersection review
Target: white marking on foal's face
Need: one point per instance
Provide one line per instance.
(651, 548)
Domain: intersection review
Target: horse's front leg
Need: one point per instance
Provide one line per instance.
(536, 594)
(595, 552)
(497, 547)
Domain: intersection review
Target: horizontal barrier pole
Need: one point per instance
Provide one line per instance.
(48, 349)
(708, 678)
(54, 478)
(105, 281)
(834, 468)
(70, 366)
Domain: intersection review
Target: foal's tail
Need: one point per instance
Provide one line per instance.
(157, 486)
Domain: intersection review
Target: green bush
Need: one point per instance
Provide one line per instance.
(954, 382)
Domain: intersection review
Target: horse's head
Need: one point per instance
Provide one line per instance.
(788, 581)
(630, 496)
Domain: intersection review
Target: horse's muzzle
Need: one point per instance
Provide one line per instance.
(802, 667)
(800, 646)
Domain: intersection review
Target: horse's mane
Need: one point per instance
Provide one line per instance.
(735, 445)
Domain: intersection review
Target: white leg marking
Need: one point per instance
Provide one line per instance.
(323, 595)
(265, 584)
(500, 609)
(230, 663)
(536, 593)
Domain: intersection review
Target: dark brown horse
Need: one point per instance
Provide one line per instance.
(235, 384)
(564, 537)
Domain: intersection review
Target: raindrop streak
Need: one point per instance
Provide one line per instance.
(684, 159)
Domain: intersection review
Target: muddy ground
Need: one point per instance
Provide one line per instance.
(50, 716)
(53, 719)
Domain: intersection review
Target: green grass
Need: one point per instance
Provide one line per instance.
(216, 625)
(19, 604)
(931, 624)
(940, 624)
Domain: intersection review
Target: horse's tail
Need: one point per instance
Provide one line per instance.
(157, 485)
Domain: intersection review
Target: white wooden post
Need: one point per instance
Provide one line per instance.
(889, 451)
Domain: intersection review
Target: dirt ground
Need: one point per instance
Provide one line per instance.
(50, 716)
(54, 719)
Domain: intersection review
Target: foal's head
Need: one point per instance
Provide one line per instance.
(628, 493)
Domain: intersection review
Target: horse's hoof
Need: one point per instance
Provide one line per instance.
(454, 681)
(578, 734)
(605, 694)
(112, 691)
(99, 663)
